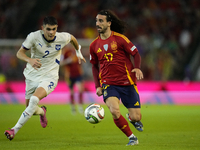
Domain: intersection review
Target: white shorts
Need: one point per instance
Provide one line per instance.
(49, 85)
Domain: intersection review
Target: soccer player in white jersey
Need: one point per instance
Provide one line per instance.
(42, 68)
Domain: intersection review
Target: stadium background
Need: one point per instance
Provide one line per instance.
(165, 32)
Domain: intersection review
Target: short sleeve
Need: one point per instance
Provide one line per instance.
(128, 46)
(93, 57)
(66, 36)
(28, 43)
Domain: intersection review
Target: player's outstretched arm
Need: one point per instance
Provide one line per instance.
(35, 63)
(138, 73)
(74, 42)
(137, 62)
(79, 55)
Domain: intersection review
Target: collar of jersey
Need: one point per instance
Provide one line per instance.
(49, 41)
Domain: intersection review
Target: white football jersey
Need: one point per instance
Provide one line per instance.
(49, 54)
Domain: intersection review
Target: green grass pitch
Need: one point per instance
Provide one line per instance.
(166, 127)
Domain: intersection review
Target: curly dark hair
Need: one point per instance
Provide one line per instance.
(117, 25)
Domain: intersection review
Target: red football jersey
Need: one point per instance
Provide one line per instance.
(74, 68)
(113, 55)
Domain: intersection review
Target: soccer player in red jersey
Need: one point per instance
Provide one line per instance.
(114, 74)
(73, 73)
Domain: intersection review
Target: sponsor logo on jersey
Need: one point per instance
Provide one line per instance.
(136, 104)
(99, 50)
(133, 48)
(105, 47)
(126, 82)
(58, 47)
(40, 44)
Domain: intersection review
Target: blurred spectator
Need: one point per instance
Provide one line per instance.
(167, 27)
(73, 76)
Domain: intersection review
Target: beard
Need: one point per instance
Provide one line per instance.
(102, 30)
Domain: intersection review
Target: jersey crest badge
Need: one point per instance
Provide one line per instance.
(58, 47)
(114, 45)
(105, 93)
(105, 47)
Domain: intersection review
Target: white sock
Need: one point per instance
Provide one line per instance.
(28, 112)
(39, 111)
(132, 135)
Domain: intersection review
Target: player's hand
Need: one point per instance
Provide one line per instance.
(138, 73)
(79, 55)
(35, 63)
(99, 91)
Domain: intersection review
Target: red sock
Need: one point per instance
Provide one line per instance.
(72, 98)
(80, 98)
(122, 124)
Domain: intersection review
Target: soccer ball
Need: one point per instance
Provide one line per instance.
(94, 113)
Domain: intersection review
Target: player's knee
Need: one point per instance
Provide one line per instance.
(34, 100)
(115, 113)
(32, 105)
(135, 117)
(138, 118)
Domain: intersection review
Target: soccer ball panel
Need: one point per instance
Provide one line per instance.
(94, 113)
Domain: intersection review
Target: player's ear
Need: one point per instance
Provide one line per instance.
(109, 23)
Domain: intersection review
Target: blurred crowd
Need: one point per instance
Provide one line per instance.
(164, 31)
